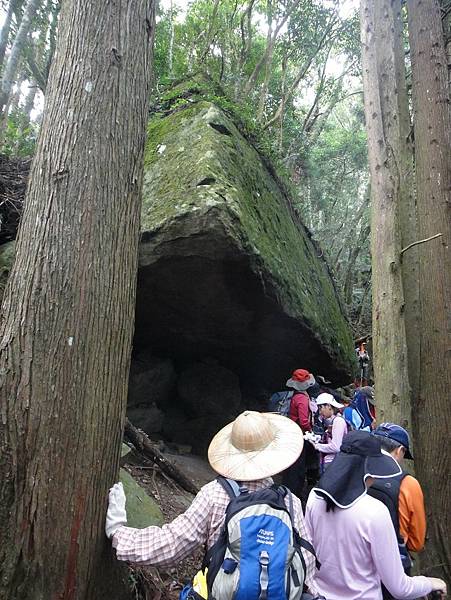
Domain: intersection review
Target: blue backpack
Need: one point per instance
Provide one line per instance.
(280, 402)
(258, 554)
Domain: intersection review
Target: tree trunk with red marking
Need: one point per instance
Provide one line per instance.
(68, 309)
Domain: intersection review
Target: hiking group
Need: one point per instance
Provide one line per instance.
(349, 538)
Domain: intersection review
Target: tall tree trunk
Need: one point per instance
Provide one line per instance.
(381, 114)
(349, 279)
(446, 21)
(171, 39)
(407, 203)
(27, 108)
(52, 38)
(210, 34)
(267, 68)
(270, 43)
(363, 303)
(433, 182)
(10, 71)
(11, 105)
(246, 45)
(4, 35)
(67, 313)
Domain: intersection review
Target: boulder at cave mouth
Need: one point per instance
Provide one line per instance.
(227, 269)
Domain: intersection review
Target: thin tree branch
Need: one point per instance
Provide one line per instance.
(420, 242)
(269, 47)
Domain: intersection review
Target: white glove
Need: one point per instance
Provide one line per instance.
(311, 437)
(116, 515)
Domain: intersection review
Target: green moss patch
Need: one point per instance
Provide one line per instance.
(142, 510)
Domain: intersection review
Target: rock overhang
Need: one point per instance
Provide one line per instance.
(227, 270)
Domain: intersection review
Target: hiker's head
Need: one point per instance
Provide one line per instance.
(328, 405)
(255, 445)
(359, 461)
(394, 440)
(301, 380)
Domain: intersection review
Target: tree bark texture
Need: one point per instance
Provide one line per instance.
(433, 181)
(16, 51)
(446, 23)
(67, 314)
(382, 122)
(408, 221)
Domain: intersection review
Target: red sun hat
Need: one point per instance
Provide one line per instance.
(301, 380)
(301, 375)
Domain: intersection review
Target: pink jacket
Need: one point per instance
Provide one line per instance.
(339, 430)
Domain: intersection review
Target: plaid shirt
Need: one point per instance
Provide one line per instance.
(199, 525)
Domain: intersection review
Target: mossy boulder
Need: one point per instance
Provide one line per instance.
(142, 510)
(227, 269)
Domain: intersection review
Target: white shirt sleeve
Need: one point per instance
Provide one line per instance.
(386, 557)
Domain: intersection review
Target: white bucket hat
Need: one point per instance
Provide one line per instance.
(255, 445)
(326, 398)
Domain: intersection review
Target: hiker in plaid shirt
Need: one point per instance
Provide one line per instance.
(249, 450)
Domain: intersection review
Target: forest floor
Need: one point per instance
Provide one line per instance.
(165, 583)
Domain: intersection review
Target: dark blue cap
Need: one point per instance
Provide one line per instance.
(395, 433)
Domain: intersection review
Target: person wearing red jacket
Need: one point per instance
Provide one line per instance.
(300, 413)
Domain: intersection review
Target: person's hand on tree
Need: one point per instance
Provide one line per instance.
(116, 515)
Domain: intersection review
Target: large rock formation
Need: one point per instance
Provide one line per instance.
(228, 273)
(233, 294)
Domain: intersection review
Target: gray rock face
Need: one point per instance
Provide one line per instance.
(147, 417)
(209, 390)
(152, 380)
(196, 432)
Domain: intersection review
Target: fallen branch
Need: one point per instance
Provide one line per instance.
(145, 447)
(421, 242)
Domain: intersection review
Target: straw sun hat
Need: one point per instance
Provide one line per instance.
(255, 445)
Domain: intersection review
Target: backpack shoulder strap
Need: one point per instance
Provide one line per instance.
(308, 546)
(302, 542)
(231, 486)
(290, 503)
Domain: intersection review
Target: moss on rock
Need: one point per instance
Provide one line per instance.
(142, 510)
(196, 160)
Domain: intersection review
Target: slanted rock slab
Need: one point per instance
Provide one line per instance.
(227, 269)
